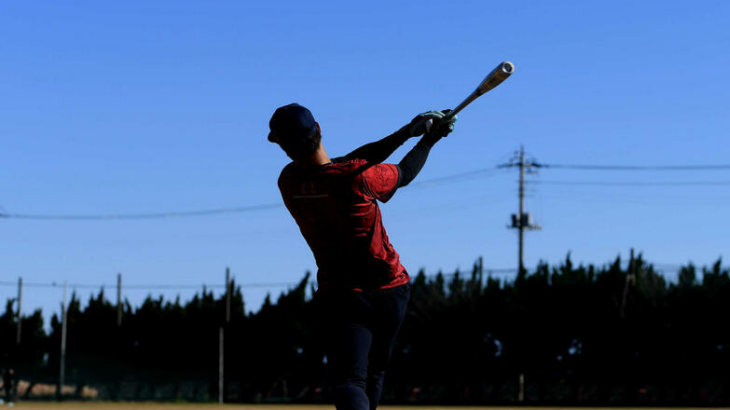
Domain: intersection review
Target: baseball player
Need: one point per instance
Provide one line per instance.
(363, 289)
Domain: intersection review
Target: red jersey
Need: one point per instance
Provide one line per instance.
(336, 210)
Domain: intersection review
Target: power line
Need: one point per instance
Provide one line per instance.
(220, 211)
(484, 172)
(173, 286)
(617, 183)
(467, 203)
(640, 167)
(158, 215)
(465, 271)
(148, 287)
(642, 199)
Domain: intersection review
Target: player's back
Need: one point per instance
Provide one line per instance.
(336, 210)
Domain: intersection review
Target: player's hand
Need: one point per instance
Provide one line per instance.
(445, 127)
(417, 126)
(441, 127)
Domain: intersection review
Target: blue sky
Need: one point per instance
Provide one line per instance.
(130, 107)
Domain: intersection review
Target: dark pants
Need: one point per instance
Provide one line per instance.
(359, 331)
(9, 393)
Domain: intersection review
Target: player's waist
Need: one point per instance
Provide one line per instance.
(338, 280)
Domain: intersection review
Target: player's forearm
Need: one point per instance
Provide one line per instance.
(414, 161)
(378, 151)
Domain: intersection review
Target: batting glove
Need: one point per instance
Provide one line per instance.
(442, 128)
(417, 126)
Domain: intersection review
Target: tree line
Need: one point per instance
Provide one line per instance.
(618, 333)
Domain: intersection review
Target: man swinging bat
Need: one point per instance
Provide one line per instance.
(363, 288)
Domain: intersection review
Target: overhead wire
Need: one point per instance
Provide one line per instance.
(642, 184)
(649, 200)
(219, 211)
(170, 286)
(156, 215)
(639, 167)
(448, 206)
(483, 172)
(146, 287)
(431, 275)
(630, 183)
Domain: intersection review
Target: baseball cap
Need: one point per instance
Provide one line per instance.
(291, 123)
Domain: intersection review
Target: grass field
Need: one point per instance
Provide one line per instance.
(189, 406)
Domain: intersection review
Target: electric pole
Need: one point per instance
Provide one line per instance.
(522, 221)
(20, 313)
(221, 336)
(119, 299)
(630, 281)
(64, 326)
(228, 295)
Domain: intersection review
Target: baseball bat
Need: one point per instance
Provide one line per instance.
(492, 80)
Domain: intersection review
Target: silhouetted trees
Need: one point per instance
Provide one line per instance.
(575, 333)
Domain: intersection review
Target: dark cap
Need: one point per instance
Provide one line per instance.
(291, 123)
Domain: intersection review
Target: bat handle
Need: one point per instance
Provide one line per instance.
(452, 114)
(461, 106)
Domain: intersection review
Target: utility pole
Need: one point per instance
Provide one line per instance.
(119, 299)
(221, 340)
(228, 295)
(20, 315)
(521, 391)
(221, 385)
(630, 280)
(64, 324)
(522, 221)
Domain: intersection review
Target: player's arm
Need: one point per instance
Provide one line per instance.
(414, 160)
(380, 181)
(378, 151)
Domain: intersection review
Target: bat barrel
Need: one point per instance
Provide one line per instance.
(493, 79)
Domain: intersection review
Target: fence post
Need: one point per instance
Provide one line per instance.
(228, 295)
(521, 394)
(20, 314)
(220, 365)
(64, 321)
(119, 299)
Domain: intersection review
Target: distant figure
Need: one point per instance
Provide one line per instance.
(363, 288)
(9, 386)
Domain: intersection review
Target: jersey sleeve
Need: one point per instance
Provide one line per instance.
(380, 181)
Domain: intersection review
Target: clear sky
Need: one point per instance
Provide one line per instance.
(133, 107)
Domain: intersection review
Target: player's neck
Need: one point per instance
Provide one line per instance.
(319, 157)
